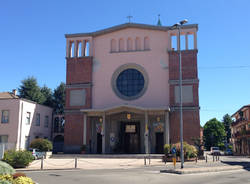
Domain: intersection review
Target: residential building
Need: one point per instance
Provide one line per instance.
(122, 93)
(240, 130)
(22, 120)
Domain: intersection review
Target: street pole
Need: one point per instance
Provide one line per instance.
(180, 86)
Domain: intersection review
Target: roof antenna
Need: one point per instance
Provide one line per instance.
(159, 21)
(129, 17)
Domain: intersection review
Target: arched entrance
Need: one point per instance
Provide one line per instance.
(58, 143)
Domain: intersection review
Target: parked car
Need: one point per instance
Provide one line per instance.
(228, 152)
(215, 151)
(37, 154)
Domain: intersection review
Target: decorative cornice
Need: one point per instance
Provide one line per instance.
(177, 108)
(83, 85)
(185, 81)
(129, 25)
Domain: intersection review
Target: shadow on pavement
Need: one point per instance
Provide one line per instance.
(245, 165)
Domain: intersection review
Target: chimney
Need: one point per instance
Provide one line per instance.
(14, 92)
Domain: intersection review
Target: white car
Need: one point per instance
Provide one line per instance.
(37, 154)
(215, 151)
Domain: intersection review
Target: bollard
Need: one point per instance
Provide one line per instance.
(219, 157)
(145, 160)
(149, 160)
(42, 163)
(196, 158)
(206, 158)
(75, 162)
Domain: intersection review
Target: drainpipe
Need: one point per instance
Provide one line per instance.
(20, 134)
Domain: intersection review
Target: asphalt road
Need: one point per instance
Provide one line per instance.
(138, 176)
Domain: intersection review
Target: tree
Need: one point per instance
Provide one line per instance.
(59, 98)
(214, 133)
(227, 121)
(47, 93)
(30, 90)
(41, 144)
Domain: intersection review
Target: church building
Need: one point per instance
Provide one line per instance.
(122, 93)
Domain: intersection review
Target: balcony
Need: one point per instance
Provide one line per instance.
(242, 133)
(237, 121)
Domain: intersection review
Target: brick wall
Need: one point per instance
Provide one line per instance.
(189, 65)
(79, 70)
(191, 125)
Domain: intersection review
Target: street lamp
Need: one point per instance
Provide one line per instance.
(178, 26)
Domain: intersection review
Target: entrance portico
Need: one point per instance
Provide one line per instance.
(126, 129)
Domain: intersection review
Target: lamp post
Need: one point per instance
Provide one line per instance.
(178, 26)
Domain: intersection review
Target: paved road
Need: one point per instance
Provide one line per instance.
(138, 176)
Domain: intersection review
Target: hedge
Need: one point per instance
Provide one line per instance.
(18, 159)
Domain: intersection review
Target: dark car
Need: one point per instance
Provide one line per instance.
(228, 152)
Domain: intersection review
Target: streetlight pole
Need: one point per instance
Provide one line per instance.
(178, 26)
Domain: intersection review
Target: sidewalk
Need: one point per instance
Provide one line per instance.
(62, 163)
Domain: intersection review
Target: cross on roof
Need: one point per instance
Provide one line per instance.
(129, 17)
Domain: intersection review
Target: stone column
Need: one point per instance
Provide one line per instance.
(166, 131)
(85, 129)
(170, 41)
(67, 48)
(146, 134)
(83, 48)
(177, 39)
(75, 48)
(103, 133)
(195, 40)
(186, 41)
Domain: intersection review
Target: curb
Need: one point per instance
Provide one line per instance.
(201, 170)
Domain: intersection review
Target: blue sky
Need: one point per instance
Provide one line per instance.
(32, 41)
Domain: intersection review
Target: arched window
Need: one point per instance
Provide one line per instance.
(137, 43)
(79, 47)
(113, 45)
(87, 48)
(129, 44)
(72, 49)
(146, 43)
(121, 45)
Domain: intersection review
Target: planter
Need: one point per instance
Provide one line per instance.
(47, 154)
(170, 159)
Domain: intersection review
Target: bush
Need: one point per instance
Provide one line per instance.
(167, 149)
(5, 182)
(189, 150)
(23, 180)
(41, 144)
(6, 168)
(18, 159)
(9, 179)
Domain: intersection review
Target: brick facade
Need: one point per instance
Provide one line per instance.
(191, 117)
(191, 126)
(79, 72)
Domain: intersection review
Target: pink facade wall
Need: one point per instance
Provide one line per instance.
(155, 63)
(10, 128)
(17, 128)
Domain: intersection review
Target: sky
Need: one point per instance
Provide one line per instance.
(32, 41)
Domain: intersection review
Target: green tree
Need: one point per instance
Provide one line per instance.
(30, 90)
(214, 133)
(59, 98)
(227, 121)
(47, 93)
